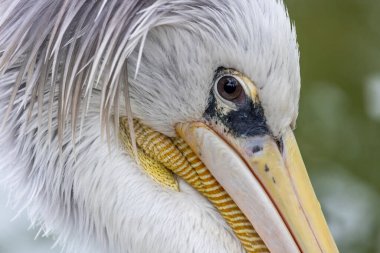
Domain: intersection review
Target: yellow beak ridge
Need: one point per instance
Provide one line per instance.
(270, 186)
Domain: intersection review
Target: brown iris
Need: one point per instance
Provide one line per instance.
(230, 89)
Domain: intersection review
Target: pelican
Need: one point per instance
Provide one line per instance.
(156, 126)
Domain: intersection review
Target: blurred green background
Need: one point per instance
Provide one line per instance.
(338, 129)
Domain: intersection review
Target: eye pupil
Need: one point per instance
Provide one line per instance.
(230, 89)
(230, 85)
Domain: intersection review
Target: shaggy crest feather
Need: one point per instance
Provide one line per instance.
(76, 46)
(67, 46)
(64, 65)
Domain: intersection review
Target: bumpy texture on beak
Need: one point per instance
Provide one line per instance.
(270, 186)
(160, 156)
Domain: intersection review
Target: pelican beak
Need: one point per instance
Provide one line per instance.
(269, 183)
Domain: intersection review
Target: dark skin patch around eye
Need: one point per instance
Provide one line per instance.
(248, 120)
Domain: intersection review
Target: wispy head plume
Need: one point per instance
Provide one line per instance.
(68, 48)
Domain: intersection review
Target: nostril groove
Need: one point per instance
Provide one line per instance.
(257, 149)
(280, 145)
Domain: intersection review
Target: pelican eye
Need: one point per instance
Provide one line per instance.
(230, 89)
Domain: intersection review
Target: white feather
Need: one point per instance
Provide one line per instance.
(96, 198)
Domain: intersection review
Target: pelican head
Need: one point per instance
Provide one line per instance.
(222, 76)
